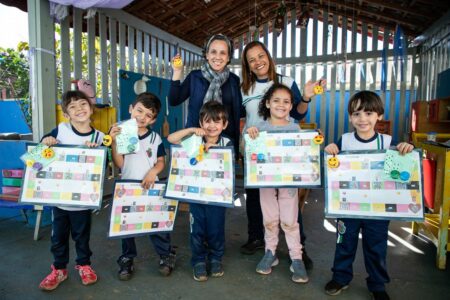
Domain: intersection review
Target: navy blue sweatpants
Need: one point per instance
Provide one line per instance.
(374, 240)
(207, 232)
(160, 241)
(64, 224)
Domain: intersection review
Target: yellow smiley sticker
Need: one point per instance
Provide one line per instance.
(318, 139)
(107, 140)
(318, 90)
(48, 153)
(333, 162)
(177, 62)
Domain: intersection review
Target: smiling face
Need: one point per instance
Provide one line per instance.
(258, 62)
(79, 111)
(144, 116)
(213, 128)
(333, 162)
(217, 55)
(279, 105)
(364, 122)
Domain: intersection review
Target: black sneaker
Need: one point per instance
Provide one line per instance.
(126, 268)
(333, 288)
(380, 295)
(216, 269)
(200, 273)
(252, 246)
(167, 263)
(307, 260)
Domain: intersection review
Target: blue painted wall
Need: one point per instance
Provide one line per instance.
(12, 119)
(343, 109)
(159, 87)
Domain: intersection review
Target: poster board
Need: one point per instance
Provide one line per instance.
(283, 159)
(359, 188)
(75, 178)
(210, 181)
(136, 211)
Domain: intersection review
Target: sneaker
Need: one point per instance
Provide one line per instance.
(53, 279)
(216, 269)
(87, 274)
(299, 271)
(334, 288)
(267, 262)
(307, 260)
(380, 295)
(200, 273)
(126, 268)
(167, 263)
(252, 246)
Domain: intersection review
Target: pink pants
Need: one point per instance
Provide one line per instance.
(280, 206)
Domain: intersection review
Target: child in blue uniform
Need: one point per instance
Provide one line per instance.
(207, 221)
(365, 109)
(144, 165)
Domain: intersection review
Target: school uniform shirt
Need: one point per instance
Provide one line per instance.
(351, 141)
(222, 142)
(267, 126)
(66, 134)
(256, 93)
(136, 165)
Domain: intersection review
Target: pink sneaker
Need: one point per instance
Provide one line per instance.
(53, 279)
(87, 274)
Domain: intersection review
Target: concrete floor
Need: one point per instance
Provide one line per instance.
(26, 262)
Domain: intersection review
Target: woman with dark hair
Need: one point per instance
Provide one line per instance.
(213, 81)
(258, 75)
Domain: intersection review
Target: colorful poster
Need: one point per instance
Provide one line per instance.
(74, 178)
(283, 159)
(136, 211)
(209, 181)
(360, 188)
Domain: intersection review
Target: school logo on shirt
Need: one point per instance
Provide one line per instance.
(149, 152)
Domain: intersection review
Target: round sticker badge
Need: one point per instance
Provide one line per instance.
(395, 174)
(47, 153)
(333, 162)
(131, 148)
(405, 176)
(107, 140)
(133, 140)
(37, 166)
(30, 163)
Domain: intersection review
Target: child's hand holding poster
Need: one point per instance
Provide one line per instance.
(128, 140)
(359, 187)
